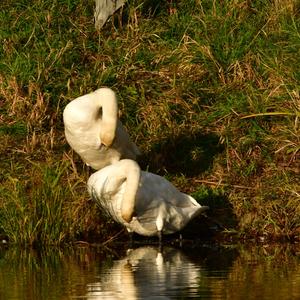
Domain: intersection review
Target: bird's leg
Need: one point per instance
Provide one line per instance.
(180, 239)
(159, 234)
(131, 241)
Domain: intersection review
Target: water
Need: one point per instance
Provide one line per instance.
(207, 272)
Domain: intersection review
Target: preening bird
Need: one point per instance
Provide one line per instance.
(143, 202)
(93, 130)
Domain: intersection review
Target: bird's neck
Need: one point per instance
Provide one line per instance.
(108, 109)
(133, 174)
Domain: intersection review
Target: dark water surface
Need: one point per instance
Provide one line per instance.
(206, 272)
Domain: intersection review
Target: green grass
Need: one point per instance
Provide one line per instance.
(33, 210)
(208, 90)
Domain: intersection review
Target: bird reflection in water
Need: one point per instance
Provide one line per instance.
(147, 273)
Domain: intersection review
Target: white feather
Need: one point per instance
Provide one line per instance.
(154, 204)
(93, 130)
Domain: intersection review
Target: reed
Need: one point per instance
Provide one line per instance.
(36, 213)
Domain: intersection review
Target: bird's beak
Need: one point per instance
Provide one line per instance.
(127, 217)
(107, 140)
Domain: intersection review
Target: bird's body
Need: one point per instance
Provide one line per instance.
(93, 130)
(157, 207)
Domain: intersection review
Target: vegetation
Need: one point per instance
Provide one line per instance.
(209, 90)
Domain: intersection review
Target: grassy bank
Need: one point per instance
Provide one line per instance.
(209, 90)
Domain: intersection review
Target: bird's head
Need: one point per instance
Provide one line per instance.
(127, 216)
(107, 138)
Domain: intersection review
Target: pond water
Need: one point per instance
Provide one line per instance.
(145, 272)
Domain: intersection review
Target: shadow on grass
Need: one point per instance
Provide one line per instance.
(187, 154)
(190, 155)
(220, 217)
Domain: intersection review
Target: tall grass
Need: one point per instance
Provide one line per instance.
(209, 90)
(45, 206)
(36, 213)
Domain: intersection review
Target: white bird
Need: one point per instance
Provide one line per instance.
(146, 273)
(93, 130)
(145, 203)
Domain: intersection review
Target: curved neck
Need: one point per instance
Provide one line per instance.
(131, 171)
(106, 99)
